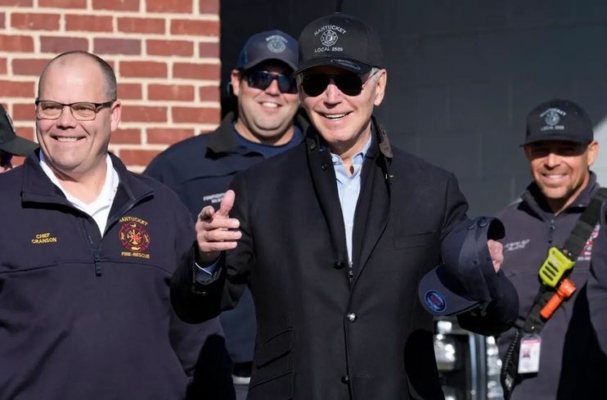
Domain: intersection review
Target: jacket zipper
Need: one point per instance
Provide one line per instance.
(97, 263)
(551, 231)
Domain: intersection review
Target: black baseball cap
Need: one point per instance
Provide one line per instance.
(559, 120)
(467, 279)
(268, 45)
(9, 141)
(340, 40)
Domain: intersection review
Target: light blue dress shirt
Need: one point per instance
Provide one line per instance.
(348, 187)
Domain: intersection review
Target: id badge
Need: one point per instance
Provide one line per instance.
(529, 354)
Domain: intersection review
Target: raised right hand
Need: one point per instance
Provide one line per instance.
(216, 231)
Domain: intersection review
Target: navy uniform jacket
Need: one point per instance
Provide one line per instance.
(200, 170)
(597, 302)
(570, 361)
(88, 317)
(321, 334)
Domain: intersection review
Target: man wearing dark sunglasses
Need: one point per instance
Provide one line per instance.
(11, 144)
(200, 169)
(333, 238)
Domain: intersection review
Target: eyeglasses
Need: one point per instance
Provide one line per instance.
(348, 83)
(82, 111)
(5, 159)
(263, 79)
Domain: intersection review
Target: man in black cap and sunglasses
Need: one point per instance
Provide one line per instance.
(11, 144)
(200, 169)
(335, 237)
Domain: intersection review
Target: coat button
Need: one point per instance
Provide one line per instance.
(339, 264)
(345, 379)
(351, 317)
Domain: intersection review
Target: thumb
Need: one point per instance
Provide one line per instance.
(226, 203)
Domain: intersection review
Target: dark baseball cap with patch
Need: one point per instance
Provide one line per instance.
(266, 46)
(561, 120)
(339, 40)
(467, 279)
(9, 141)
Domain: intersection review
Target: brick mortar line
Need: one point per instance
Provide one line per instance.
(109, 35)
(144, 93)
(148, 147)
(127, 146)
(143, 126)
(120, 57)
(62, 22)
(211, 105)
(198, 83)
(110, 13)
(19, 78)
(171, 103)
(131, 81)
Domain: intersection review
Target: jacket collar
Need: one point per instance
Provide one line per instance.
(222, 140)
(38, 188)
(536, 201)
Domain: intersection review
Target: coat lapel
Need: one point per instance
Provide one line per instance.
(325, 186)
(373, 206)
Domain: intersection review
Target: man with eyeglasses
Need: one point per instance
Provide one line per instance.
(333, 238)
(200, 169)
(86, 263)
(11, 144)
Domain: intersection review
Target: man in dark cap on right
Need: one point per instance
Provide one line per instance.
(553, 353)
(334, 236)
(11, 144)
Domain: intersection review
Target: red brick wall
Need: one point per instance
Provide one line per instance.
(165, 54)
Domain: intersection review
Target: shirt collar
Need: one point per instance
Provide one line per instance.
(108, 191)
(357, 158)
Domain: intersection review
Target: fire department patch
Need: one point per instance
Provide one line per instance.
(134, 237)
(586, 253)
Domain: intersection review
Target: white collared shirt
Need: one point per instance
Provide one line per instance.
(99, 209)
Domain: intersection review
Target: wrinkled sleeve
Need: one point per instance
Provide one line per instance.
(196, 301)
(200, 347)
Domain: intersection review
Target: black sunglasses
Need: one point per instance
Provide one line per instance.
(348, 83)
(263, 79)
(5, 158)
